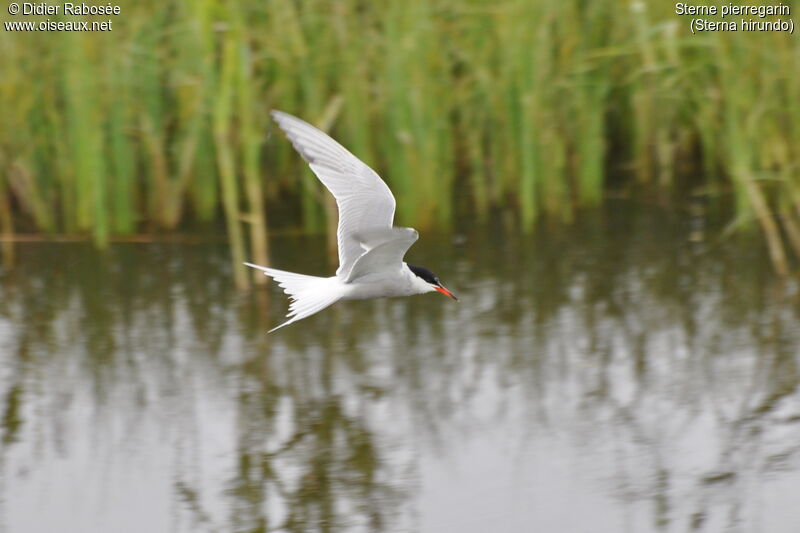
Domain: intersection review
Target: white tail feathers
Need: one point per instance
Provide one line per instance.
(309, 294)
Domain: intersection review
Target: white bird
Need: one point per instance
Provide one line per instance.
(371, 250)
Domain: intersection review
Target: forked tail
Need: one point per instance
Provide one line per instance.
(309, 294)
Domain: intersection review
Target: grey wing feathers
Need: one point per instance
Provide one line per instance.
(370, 238)
(364, 200)
(385, 250)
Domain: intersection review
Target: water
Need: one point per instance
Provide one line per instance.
(620, 374)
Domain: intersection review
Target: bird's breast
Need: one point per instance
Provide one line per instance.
(379, 288)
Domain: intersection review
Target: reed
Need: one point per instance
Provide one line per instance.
(464, 107)
(6, 228)
(250, 128)
(223, 138)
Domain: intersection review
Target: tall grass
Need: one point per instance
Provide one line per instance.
(523, 106)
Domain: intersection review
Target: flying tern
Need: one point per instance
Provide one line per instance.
(371, 250)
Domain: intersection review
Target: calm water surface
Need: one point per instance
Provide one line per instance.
(618, 375)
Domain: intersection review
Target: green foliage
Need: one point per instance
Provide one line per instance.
(511, 105)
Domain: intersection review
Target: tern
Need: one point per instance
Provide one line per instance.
(371, 250)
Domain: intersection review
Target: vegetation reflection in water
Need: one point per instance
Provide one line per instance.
(611, 374)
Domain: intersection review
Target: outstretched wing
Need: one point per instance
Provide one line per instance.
(385, 250)
(364, 200)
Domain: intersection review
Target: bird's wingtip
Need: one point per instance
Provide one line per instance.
(277, 114)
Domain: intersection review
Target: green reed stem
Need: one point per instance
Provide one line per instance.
(517, 106)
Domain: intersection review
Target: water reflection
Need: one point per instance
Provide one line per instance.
(609, 376)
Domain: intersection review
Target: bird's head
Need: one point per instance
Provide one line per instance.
(428, 282)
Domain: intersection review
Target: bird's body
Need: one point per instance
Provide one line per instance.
(401, 282)
(371, 250)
